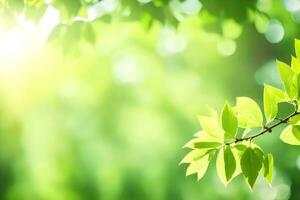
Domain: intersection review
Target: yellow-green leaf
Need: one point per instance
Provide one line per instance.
(295, 65)
(229, 122)
(211, 126)
(296, 131)
(248, 113)
(199, 166)
(272, 96)
(268, 168)
(207, 145)
(194, 155)
(295, 119)
(289, 79)
(203, 136)
(288, 137)
(226, 165)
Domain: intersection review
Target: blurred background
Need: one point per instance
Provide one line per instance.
(97, 103)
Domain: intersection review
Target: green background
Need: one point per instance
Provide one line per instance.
(108, 120)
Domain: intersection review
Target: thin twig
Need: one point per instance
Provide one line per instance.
(265, 129)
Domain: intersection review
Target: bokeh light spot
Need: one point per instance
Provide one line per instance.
(170, 42)
(182, 8)
(274, 32)
(226, 47)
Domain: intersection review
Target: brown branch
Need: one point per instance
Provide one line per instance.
(265, 129)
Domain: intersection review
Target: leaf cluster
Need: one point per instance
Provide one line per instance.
(239, 154)
(217, 17)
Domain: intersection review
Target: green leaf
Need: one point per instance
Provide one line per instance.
(229, 122)
(296, 131)
(297, 48)
(190, 144)
(237, 157)
(289, 79)
(251, 164)
(226, 165)
(248, 113)
(298, 86)
(211, 126)
(288, 137)
(272, 96)
(207, 145)
(294, 120)
(295, 65)
(194, 155)
(200, 166)
(268, 168)
(204, 137)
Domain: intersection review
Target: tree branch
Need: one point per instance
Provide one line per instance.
(265, 129)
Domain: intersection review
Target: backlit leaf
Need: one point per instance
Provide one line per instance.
(251, 164)
(206, 145)
(229, 122)
(194, 155)
(199, 166)
(272, 96)
(288, 137)
(295, 119)
(296, 131)
(226, 165)
(289, 79)
(268, 168)
(211, 126)
(248, 113)
(203, 136)
(295, 64)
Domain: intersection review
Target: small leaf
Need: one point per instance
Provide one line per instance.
(201, 173)
(298, 85)
(294, 120)
(295, 65)
(190, 144)
(211, 126)
(248, 113)
(251, 164)
(203, 136)
(288, 137)
(207, 145)
(268, 168)
(289, 79)
(194, 155)
(272, 96)
(199, 166)
(226, 165)
(237, 158)
(229, 122)
(296, 131)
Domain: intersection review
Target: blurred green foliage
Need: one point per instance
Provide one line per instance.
(108, 120)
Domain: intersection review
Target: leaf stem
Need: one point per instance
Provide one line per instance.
(266, 129)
